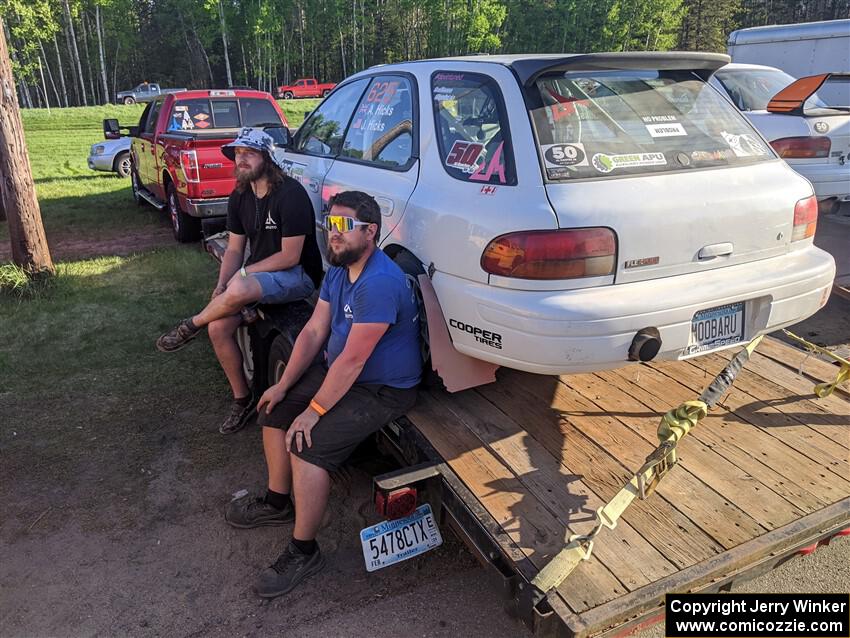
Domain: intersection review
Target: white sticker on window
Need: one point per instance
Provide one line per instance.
(672, 129)
(607, 163)
(187, 122)
(563, 155)
(744, 145)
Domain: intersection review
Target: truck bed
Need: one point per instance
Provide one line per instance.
(765, 474)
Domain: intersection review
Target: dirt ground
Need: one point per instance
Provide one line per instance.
(122, 534)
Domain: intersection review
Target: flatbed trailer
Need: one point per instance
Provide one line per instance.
(518, 466)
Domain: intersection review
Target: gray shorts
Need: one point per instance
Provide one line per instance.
(363, 410)
(283, 286)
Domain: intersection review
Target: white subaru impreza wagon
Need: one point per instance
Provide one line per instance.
(573, 212)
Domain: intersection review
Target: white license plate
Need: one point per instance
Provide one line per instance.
(717, 327)
(391, 542)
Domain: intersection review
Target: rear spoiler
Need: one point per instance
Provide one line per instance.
(791, 99)
(703, 64)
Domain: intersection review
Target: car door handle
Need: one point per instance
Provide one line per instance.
(715, 250)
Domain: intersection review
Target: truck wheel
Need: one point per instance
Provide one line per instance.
(279, 354)
(121, 165)
(129, 100)
(243, 340)
(326, 93)
(287, 95)
(186, 228)
(135, 185)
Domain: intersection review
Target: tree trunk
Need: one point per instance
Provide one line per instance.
(61, 71)
(49, 74)
(224, 42)
(43, 85)
(99, 26)
(115, 69)
(84, 22)
(204, 53)
(76, 53)
(71, 42)
(17, 191)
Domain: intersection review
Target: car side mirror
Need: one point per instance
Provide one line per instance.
(111, 129)
(280, 134)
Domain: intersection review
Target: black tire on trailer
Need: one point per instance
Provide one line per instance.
(186, 228)
(129, 100)
(279, 353)
(121, 165)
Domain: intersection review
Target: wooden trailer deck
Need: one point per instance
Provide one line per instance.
(764, 474)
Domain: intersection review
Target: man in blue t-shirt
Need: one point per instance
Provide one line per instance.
(317, 414)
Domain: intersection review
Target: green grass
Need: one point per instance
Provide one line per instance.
(79, 202)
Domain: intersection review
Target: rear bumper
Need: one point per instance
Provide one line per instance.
(206, 207)
(592, 329)
(832, 180)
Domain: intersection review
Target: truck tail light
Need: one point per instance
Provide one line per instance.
(552, 254)
(802, 147)
(189, 162)
(805, 218)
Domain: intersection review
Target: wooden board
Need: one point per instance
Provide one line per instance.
(541, 453)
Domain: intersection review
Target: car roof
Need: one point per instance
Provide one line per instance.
(739, 66)
(530, 66)
(188, 95)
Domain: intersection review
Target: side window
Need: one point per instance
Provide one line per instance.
(299, 83)
(322, 133)
(311, 82)
(258, 112)
(143, 120)
(382, 129)
(150, 127)
(472, 128)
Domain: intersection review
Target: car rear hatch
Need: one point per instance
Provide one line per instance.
(643, 146)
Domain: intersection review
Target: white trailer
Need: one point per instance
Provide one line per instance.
(798, 49)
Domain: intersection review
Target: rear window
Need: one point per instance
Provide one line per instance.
(751, 89)
(616, 123)
(203, 113)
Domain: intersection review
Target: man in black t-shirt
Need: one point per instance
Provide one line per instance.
(271, 257)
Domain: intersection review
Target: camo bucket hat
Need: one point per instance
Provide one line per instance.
(253, 138)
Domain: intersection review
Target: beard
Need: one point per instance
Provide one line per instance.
(345, 257)
(244, 176)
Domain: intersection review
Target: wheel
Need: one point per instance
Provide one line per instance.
(287, 95)
(129, 100)
(135, 185)
(243, 340)
(326, 93)
(279, 353)
(186, 228)
(121, 165)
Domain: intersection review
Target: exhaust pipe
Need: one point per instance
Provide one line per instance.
(645, 345)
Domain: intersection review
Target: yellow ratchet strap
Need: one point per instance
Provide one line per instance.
(825, 389)
(673, 427)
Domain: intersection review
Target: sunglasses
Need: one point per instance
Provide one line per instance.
(342, 223)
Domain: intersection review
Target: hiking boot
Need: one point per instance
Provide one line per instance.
(249, 315)
(253, 511)
(288, 570)
(238, 417)
(177, 337)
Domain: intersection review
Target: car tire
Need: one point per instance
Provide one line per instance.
(288, 95)
(121, 165)
(279, 353)
(135, 186)
(129, 100)
(326, 93)
(185, 227)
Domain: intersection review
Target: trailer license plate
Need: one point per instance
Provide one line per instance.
(394, 541)
(717, 327)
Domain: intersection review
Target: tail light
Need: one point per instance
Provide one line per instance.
(189, 162)
(802, 147)
(558, 254)
(805, 218)
(397, 503)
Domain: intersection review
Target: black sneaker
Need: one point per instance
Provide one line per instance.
(238, 417)
(253, 511)
(288, 570)
(177, 337)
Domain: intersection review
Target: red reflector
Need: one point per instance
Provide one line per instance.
(805, 218)
(802, 147)
(552, 254)
(189, 162)
(396, 504)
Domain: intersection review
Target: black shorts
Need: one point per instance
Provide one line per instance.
(363, 410)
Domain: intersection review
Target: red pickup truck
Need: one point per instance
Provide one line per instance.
(175, 154)
(305, 87)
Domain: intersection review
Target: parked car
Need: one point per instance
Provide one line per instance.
(813, 137)
(111, 155)
(305, 87)
(145, 92)
(176, 159)
(573, 212)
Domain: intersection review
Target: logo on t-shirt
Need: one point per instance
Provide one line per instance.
(271, 224)
(348, 312)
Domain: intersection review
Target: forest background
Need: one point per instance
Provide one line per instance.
(81, 52)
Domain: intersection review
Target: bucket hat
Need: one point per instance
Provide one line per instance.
(252, 138)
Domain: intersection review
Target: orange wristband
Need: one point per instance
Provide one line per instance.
(318, 408)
